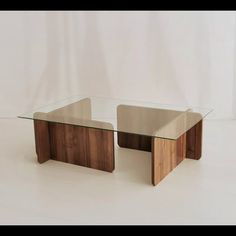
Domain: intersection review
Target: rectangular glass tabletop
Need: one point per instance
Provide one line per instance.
(134, 117)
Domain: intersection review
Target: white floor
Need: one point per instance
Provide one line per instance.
(196, 192)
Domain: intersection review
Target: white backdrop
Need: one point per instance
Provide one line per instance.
(169, 57)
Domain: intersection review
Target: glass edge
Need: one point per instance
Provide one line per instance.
(114, 130)
(25, 116)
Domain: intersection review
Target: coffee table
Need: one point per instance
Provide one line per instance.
(80, 130)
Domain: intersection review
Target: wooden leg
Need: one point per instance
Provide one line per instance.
(83, 146)
(194, 142)
(134, 141)
(42, 140)
(166, 155)
(88, 147)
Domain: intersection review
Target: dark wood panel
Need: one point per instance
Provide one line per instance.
(57, 141)
(134, 141)
(42, 140)
(194, 142)
(166, 155)
(83, 146)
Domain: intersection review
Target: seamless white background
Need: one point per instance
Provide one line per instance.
(167, 57)
(179, 58)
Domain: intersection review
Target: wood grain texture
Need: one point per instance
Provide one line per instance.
(166, 155)
(82, 146)
(194, 142)
(42, 140)
(134, 141)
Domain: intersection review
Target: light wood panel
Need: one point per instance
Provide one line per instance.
(81, 110)
(166, 155)
(143, 120)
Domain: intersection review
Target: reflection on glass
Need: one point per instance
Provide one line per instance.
(151, 119)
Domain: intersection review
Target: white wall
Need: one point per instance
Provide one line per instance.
(169, 57)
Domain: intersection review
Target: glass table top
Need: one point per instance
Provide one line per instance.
(134, 117)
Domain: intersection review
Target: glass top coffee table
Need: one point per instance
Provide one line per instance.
(80, 130)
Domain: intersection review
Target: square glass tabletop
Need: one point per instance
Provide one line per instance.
(134, 117)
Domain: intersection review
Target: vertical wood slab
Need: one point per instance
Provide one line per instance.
(57, 141)
(166, 155)
(194, 142)
(180, 149)
(42, 140)
(83, 146)
(101, 149)
(134, 141)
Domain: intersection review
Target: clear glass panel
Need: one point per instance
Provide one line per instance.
(151, 119)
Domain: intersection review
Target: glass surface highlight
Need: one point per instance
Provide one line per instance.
(135, 117)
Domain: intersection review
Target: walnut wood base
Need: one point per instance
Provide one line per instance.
(94, 148)
(89, 147)
(166, 153)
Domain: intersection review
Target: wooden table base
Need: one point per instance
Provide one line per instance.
(166, 153)
(94, 148)
(82, 146)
